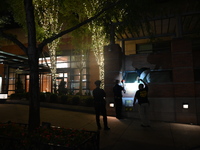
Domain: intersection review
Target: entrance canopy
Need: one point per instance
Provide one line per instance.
(19, 62)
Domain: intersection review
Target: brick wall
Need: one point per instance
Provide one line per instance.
(113, 67)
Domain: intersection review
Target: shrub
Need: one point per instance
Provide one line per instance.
(63, 99)
(87, 100)
(18, 96)
(75, 100)
(42, 97)
(16, 137)
(13, 96)
(53, 98)
(48, 95)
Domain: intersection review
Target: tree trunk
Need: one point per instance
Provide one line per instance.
(34, 98)
(33, 57)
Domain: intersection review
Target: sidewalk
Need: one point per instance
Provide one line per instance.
(124, 134)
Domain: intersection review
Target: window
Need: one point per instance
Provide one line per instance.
(12, 80)
(153, 47)
(154, 76)
(130, 77)
(144, 48)
(68, 70)
(161, 76)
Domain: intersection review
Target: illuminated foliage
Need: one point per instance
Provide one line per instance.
(47, 14)
(98, 36)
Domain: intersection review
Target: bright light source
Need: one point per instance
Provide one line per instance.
(112, 105)
(62, 65)
(131, 87)
(185, 106)
(3, 96)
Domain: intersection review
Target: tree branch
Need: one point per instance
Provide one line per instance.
(49, 40)
(14, 40)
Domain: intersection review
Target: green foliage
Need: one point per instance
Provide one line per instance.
(87, 101)
(63, 99)
(75, 100)
(18, 96)
(83, 100)
(42, 97)
(53, 98)
(14, 96)
(16, 7)
(60, 138)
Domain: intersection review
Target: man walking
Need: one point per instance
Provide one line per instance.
(142, 97)
(100, 105)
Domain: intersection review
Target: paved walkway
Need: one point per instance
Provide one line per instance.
(124, 134)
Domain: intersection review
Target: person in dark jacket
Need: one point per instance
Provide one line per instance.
(142, 96)
(100, 105)
(117, 90)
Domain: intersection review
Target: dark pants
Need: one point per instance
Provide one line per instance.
(100, 109)
(118, 106)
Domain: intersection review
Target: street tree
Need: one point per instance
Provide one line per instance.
(47, 15)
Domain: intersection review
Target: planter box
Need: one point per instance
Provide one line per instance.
(16, 136)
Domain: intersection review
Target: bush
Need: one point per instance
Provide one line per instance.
(42, 97)
(18, 96)
(63, 99)
(14, 97)
(84, 100)
(16, 137)
(87, 101)
(75, 100)
(53, 98)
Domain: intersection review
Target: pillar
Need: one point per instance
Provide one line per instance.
(113, 70)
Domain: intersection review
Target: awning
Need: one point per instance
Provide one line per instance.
(19, 62)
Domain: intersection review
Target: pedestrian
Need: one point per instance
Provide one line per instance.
(100, 105)
(117, 90)
(142, 97)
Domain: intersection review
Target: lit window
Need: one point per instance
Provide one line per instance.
(62, 65)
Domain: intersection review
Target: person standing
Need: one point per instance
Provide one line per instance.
(100, 105)
(142, 97)
(117, 90)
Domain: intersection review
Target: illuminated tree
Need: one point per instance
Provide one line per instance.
(47, 12)
(98, 37)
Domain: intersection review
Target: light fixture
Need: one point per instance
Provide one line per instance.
(185, 105)
(112, 104)
(3, 96)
